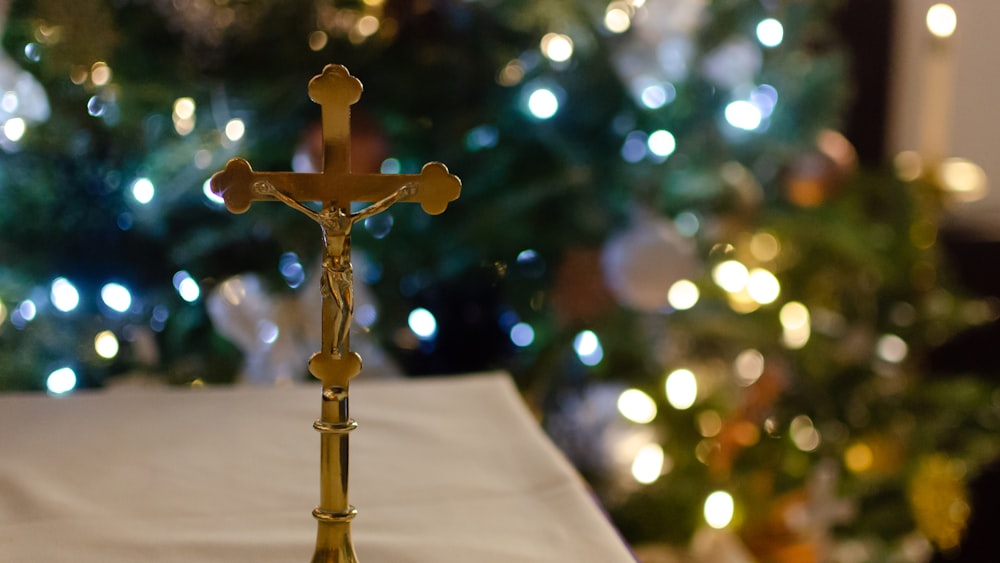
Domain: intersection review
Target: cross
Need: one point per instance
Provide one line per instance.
(335, 90)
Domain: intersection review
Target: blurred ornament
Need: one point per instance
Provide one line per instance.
(821, 510)
(732, 64)
(21, 95)
(641, 263)
(578, 294)
(667, 19)
(260, 326)
(939, 500)
(660, 49)
(812, 179)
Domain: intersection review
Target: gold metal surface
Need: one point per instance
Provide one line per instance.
(336, 188)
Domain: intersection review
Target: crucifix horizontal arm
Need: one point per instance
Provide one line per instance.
(435, 186)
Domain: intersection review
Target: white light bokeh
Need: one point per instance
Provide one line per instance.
(64, 295)
(557, 47)
(804, 434)
(683, 295)
(116, 296)
(27, 310)
(143, 190)
(588, 348)
(423, 323)
(637, 406)
(648, 463)
(662, 143)
(235, 129)
(743, 115)
(184, 108)
(892, 348)
(719, 509)
(618, 17)
(731, 276)
(795, 324)
(770, 32)
(186, 286)
(942, 20)
(106, 344)
(762, 286)
(14, 129)
(681, 388)
(543, 103)
(748, 367)
(62, 380)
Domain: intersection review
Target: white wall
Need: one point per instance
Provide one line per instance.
(974, 122)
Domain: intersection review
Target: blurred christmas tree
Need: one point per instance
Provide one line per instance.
(660, 235)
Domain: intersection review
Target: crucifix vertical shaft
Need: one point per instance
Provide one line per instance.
(335, 188)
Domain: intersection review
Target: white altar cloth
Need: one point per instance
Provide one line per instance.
(442, 471)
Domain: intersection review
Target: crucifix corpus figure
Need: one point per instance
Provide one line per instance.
(337, 283)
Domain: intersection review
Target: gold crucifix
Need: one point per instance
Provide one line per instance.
(335, 90)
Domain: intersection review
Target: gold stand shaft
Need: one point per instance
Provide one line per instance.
(334, 513)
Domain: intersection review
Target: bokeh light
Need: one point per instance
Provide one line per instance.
(770, 32)
(235, 129)
(557, 47)
(964, 180)
(731, 276)
(588, 348)
(891, 348)
(117, 297)
(14, 129)
(423, 323)
(543, 103)
(719, 509)
(748, 367)
(762, 286)
(64, 295)
(681, 389)
(522, 335)
(743, 115)
(62, 380)
(795, 325)
(648, 463)
(662, 143)
(941, 20)
(106, 344)
(637, 406)
(186, 286)
(618, 17)
(803, 433)
(683, 295)
(143, 190)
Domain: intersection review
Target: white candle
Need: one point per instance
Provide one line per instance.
(935, 121)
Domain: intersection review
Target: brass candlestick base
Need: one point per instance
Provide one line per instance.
(333, 544)
(336, 187)
(334, 514)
